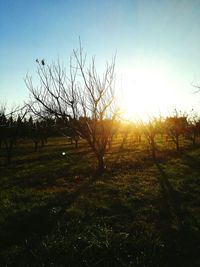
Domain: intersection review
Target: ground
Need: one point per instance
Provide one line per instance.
(54, 211)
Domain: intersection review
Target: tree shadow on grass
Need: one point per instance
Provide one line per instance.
(177, 226)
(191, 161)
(171, 196)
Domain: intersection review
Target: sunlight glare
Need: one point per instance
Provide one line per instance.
(146, 92)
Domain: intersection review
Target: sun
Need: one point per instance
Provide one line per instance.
(146, 92)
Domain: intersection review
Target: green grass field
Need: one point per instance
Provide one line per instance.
(54, 211)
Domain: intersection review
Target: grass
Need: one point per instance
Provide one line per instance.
(138, 213)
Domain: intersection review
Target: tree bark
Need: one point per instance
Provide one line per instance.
(101, 164)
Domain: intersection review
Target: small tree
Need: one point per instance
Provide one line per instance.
(193, 128)
(85, 104)
(151, 130)
(10, 129)
(176, 127)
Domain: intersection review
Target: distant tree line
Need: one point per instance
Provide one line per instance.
(174, 129)
(15, 129)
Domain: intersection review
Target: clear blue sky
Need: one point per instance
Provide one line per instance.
(155, 36)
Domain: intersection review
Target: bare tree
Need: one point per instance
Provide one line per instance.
(151, 130)
(83, 99)
(175, 127)
(10, 128)
(192, 131)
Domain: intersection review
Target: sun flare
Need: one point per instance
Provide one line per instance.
(146, 92)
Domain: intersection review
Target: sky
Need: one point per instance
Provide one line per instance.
(157, 44)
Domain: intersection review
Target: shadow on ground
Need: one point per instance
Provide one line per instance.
(179, 229)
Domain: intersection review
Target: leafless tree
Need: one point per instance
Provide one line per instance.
(82, 98)
(175, 127)
(9, 130)
(192, 131)
(151, 129)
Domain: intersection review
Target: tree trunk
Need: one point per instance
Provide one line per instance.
(9, 148)
(101, 164)
(153, 148)
(194, 140)
(35, 146)
(76, 143)
(177, 144)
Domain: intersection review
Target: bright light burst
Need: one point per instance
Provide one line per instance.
(147, 92)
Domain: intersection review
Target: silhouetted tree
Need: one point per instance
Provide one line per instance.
(64, 96)
(38, 131)
(175, 127)
(151, 130)
(11, 128)
(192, 131)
